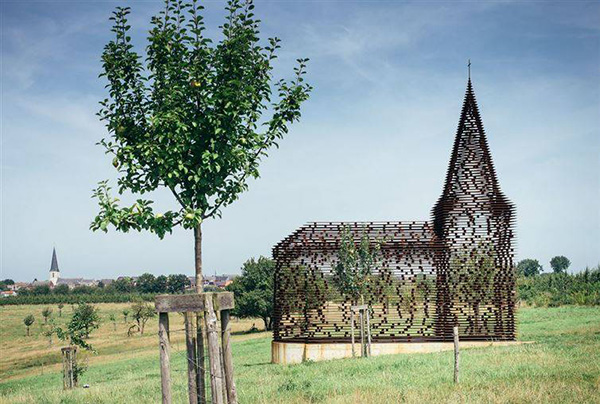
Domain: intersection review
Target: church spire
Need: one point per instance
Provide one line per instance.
(471, 178)
(54, 264)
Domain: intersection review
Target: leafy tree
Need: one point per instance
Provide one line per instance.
(40, 290)
(146, 283)
(354, 269)
(60, 307)
(123, 285)
(28, 321)
(160, 285)
(177, 283)
(47, 312)
(141, 313)
(85, 319)
(254, 290)
(8, 282)
(529, 267)
(193, 117)
(471, 279)
(560, 264)
(125, 314)
(61, 289)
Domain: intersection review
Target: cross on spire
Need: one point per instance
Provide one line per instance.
(469, 67)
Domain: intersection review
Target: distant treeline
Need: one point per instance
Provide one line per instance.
(76, 298)
(560, 288)
(125, 289)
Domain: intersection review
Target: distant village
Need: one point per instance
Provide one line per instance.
(54, 280)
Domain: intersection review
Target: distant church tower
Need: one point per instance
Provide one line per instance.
(54, 272)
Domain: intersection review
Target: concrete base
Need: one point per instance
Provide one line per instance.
(292, 352)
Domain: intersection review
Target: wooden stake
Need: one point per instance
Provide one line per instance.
(69, 357)
(368, 333)
(456, 354)
(352, 331)
(212, 337)
(164, 347)
(190, 343)
(228, 357)
(362, 333)
(200, 359)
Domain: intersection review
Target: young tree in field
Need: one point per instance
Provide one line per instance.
(46, 313)
(125, 314)
(254, 290)
(529, 267)
(113, 319)
(141, 313)
(60, 307)
(194, 117)
(560, 264)
(355, 266)
(28, 321)
(354, 272)
(85, 319)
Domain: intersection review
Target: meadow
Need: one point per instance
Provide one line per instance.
(562, 366)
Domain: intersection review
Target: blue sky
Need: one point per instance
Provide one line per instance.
(373, 143)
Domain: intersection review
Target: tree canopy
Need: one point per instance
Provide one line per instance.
(254, 290)
(193, 117)
(529, 267)
(560, 264)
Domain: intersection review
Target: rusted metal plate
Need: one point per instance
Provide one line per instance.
(193, 302)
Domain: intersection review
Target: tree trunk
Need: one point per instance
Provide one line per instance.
(28, 331)
(266, 321)
(198, 256)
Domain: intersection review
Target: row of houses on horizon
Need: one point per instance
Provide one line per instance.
(55, 279)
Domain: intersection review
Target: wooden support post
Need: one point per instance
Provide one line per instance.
(164, 347)
(213, 352)
(200, 359)
(228, 357)
(368, 332)
(69, 358)
(456, 354)
(190, 344)
(352, 331)
(362, 333)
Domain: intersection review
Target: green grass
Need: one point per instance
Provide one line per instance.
(563, 366)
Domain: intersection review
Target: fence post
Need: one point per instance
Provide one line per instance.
(456, 354)
(164, 347)
(216, 372)
(228, 357)
(190, 344)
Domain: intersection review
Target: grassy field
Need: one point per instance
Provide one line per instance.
(563, 366)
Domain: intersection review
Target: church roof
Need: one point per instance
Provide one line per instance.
(54, 264)
(327, 236)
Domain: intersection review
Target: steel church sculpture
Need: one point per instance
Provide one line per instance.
(454, 270)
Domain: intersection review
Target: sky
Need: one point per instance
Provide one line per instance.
(373, 143)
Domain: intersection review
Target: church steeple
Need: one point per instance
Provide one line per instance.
(54, 263)
(54, 271)
(471, 178)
